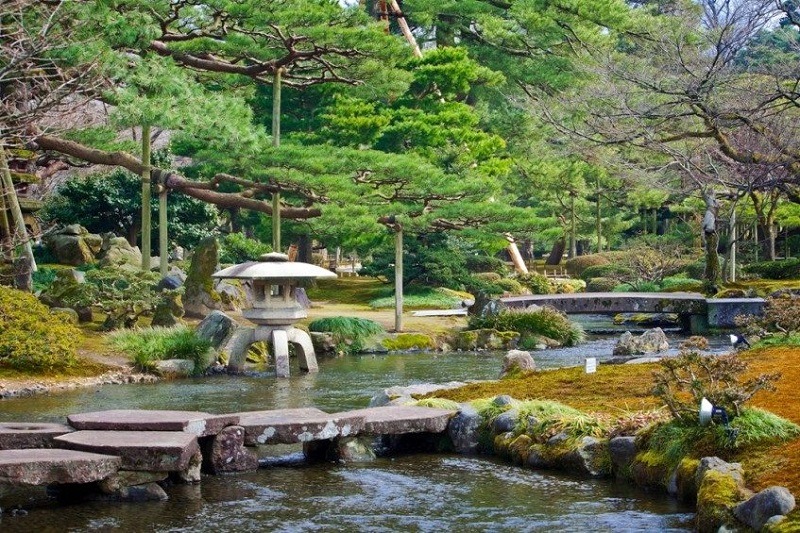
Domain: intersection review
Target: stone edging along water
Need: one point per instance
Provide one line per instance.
(18, 389)
(716, 487)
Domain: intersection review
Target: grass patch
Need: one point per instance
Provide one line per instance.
(148, 345)
(793, 339)
(546, 322)
(349, 333)
(437, 403)
(421, 298)
(353, 291)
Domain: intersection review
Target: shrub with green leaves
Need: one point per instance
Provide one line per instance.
(31, 338)
(237, 248)
(147, 345)
(608, 270)
(478, 262)
(545, 322)
(349, 333)
(535, 282)
(123, 295)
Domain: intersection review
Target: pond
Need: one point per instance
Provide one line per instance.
(410, 493)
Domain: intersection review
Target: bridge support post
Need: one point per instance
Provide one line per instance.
(696, 324)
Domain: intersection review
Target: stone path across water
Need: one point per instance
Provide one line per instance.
(53, 466)
(288, 426)
(195, 422)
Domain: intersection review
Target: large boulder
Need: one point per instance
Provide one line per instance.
(651, 341)
(117, 251)
(720, 487)
(169, 310)
(516, 363)
(622, 451)
(773, 501)
(464, 430)
(69, 246)
(200, 297)
(217, 328)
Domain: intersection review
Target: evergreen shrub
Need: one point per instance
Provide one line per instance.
(545, 322)
(349, 333)
(31, 338)
(785, 269)
(535, 282)
(237, 248)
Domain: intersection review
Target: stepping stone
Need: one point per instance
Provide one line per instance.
(153, 451)
(54, 466)
(289, 426)
(401, 419)
(21, 435)
(194, 422)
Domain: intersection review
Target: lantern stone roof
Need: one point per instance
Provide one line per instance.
(274, 266)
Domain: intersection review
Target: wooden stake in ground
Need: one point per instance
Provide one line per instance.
(276, 142)
(146, 198)
(16, 212)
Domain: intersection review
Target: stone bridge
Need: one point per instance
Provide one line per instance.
(697, 311)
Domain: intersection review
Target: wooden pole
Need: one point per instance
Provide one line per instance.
(276, 142)
(5, 225)
(146, 226)
(16, 211)
(398, 278)
(163, 252)
(401, 21)
(733, 245)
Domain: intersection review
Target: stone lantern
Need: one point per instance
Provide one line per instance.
(273, 282)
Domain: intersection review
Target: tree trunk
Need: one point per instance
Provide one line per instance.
(146, 226)
(398, 279)
(304, 248)
(598, 223)
(557, 252)
(163, 250)
(711, 274)
(276, 142)
(573, 250)
(5, 226)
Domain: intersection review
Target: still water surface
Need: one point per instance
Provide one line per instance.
(413, 493)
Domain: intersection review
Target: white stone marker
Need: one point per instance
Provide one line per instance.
(591, 365)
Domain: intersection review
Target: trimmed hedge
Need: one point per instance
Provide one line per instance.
(31, 338)
(785, 269)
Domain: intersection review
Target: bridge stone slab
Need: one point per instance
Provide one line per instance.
(194, 422)
(723, 311)
(289, 426)
(153, 451)
(401, 419)
(54, 466)
(23, 435)
(614, 302)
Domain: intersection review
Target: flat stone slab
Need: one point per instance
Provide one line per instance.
(615, 302)
(23, 435)
(54, 466)
(194, 422)
(288, 426)
(154, 451)
(440, 312)
(400, 419)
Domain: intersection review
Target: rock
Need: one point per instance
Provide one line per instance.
(46, 467)
(69, 315)
(129, 478)
(191, 474)
(200, 298)
(464, 429)
(485, 339)
(231, 293)
(648, 319)
(170, 282)
(288, 426)
(505, 422)
(175, 368)
(23, 435)
(391, 420)
(720, 487)
(503, 400)
(85, 314)
(74, 229)
(772, 501)
(651, 341)
(169, 310)
(622, 451)
(733, 470)
(117, 251)
(218, 328)
(354, 450)
(195, 422)
(157, 451)
(226, 452)
(69, 249)
(323, 342)
(516, 363)
(387, 395)
(587, 457)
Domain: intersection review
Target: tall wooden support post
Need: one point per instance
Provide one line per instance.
(573, 246)
(398, 278)
(5, 225)
(16, 212)
(516, 257)
(598, 221)
(146, 226)
(733, 245)
(163, 252)
(276, 142)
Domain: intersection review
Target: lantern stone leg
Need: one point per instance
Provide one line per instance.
(280, 348)
(236, 348)
(305, 349)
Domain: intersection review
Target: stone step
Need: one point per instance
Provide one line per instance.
(400, 419)
(54, 466)
(289, 426)
(22, 435)
(194, 422)
(153, 451)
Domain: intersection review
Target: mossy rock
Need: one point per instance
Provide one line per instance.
(716, 497)
(650, 470)
(686, 479)
(518, 449)
(502, 445)
(408, 341)
(199, 297)
(485, 339)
